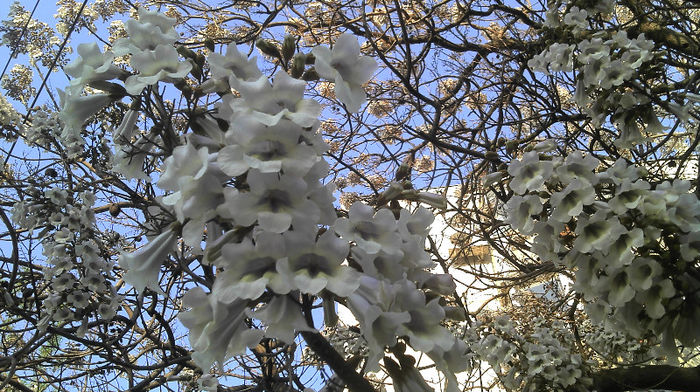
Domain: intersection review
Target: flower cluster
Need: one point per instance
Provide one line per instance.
(605, 62)
(77, 274)
(10, 120)
(247, 195)
(539, 361)
(632, 243)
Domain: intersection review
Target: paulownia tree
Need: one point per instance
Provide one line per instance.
(211, 183)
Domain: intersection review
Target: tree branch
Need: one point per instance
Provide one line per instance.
(354, 381)
(647, 377)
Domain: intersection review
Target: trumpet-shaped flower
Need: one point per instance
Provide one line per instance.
(185, 161)
(283, 319)
(156, 65)
(642, 272)
(593, 49)
(374, 305)
(143, 266)
(618, 286)
(529, 173)
(76, 109)
(597, 232)
(92, 65)
(197, 199)
(570, 201)
(128, 160)
(248, 268)
(519, 211)
(380, 265)
(274, 201)
(416, 225)
(690, 246)
(146, 33)
(629, 195)
(685, 213)
(371, 232)
(654, 298)
(217, 329)
(267, 149)
(313, 265)
(622, 250)
(576, 18)
(577, 167)
(233, 66)
(344, 65)
(268, 103)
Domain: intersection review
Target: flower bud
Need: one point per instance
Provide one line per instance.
(433, 200)
(288, 47)
(298, 65)
(268, 48)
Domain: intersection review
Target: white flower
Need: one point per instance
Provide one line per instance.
(491, 179)
(125, 131)
(642, 272)
(576, 167)
(617, 284)
(374, 306)
(561, 57)
(77, 109)
(593, 49)
(150, 30)
(519, 211)
(629, 196)
(63, 314)
(622, 250)
(529, 173)
(685, 213)
(620, 172)
(208, 383)
(576, 17)
(347, 68)
(63, 282)
(143, 266)
(79, 299)
(371, 232)
(92, 65)
(153, 66)
(249, 268)
(380, 265)
(185, 161)
(268, 103)
(690, 246)
(106, 312)
(615, 73)
(217, 330)
(594, 71)
(283, 319)
(570, 201)
(196, 199)
(313, 265)
(268, 149)
(597, 232)
(128, 159)
(234, 66)
(63, 236)
(275, 201)
(654, 297)
(93, 281)
(416, 225)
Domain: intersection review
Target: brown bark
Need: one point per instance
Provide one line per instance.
(647, 377)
